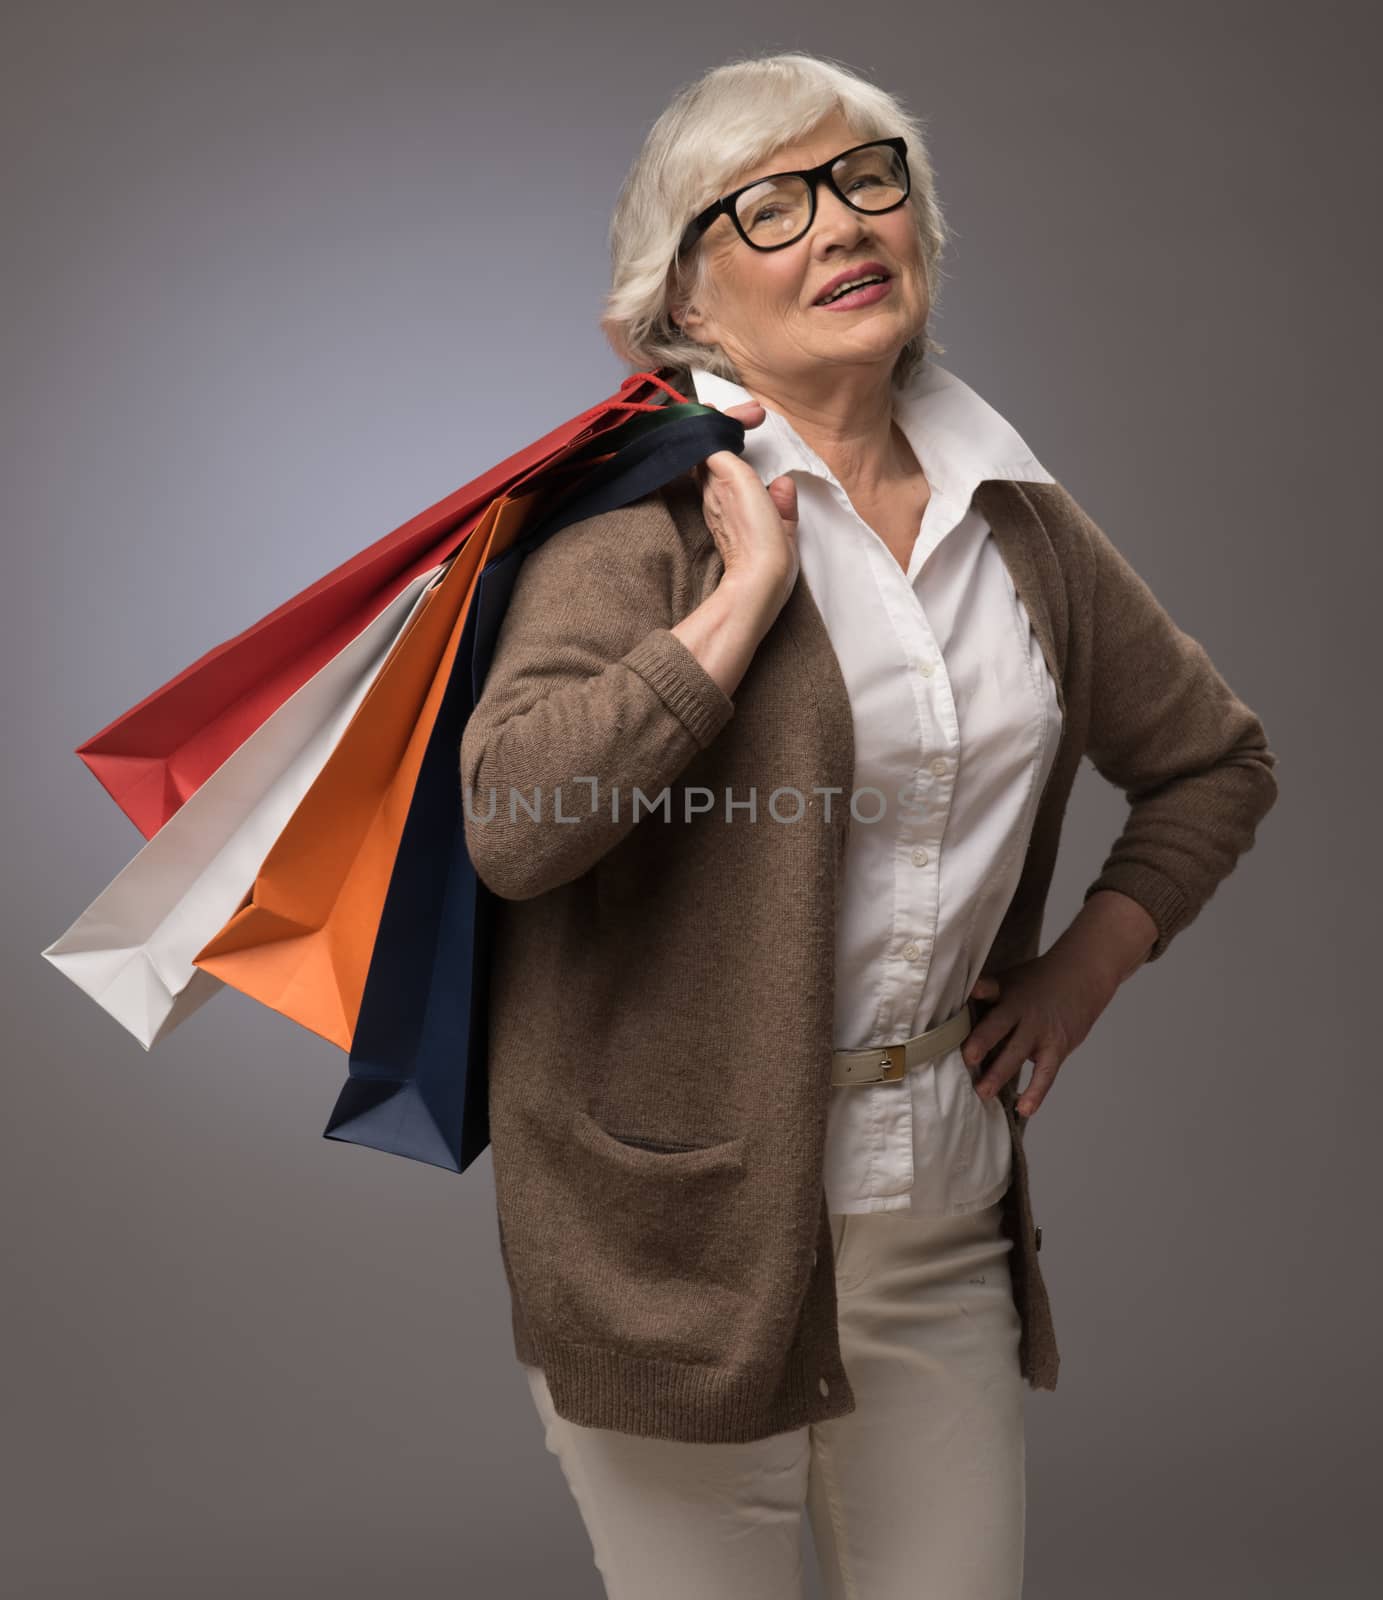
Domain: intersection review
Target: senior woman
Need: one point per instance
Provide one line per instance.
(768, 778)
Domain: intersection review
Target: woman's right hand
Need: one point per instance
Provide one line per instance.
(755, 528)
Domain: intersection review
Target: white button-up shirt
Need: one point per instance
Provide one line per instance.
(956, 725)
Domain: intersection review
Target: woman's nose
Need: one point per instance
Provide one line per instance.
(835, 217)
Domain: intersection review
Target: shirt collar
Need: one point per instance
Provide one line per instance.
(959, 438)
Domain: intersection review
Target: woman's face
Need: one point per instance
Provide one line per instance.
(761, 309)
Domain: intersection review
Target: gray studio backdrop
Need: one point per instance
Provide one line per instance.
(280, 275)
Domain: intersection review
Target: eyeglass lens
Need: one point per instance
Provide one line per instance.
(777, 210)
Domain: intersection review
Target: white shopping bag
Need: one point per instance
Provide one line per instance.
(131, 950)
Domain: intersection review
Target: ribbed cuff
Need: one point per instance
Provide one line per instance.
(1162, 899)
(682, 683)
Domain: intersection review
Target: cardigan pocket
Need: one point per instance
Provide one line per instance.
(631, 1149)
(666, 1243)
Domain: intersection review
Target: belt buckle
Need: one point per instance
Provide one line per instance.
(892, 1063)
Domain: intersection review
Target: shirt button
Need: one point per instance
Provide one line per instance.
(940, 764)
(925, 668)
(911, 952)
(815, 1253)
(919, 858)
(824, 1386)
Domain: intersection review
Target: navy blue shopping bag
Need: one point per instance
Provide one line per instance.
(418, 1084)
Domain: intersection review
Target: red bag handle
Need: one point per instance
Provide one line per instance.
(636, 380)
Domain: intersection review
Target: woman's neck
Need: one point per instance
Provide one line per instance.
(851, 426)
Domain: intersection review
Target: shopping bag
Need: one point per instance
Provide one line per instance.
(302, 941)
(131, 950)
(162, 750)
(418, 1084)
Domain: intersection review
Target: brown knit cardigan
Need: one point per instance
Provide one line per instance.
(661, 995)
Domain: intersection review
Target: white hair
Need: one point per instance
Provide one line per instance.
(730, 118)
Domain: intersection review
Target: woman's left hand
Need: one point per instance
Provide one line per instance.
(1043, 1009)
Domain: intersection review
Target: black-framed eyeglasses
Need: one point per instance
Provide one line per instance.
(775, 211)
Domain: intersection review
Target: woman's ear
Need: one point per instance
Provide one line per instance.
(692, 323)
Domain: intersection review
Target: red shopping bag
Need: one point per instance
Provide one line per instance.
(163, 749)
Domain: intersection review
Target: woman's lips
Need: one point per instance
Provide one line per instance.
(859, 297)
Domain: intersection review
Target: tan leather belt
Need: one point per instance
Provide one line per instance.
(886, 1063)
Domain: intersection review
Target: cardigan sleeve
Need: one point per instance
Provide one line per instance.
(588, 697)
(1191, 757)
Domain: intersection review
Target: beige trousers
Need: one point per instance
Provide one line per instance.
(917, 1494)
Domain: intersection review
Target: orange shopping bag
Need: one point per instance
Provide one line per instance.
(302, 940)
